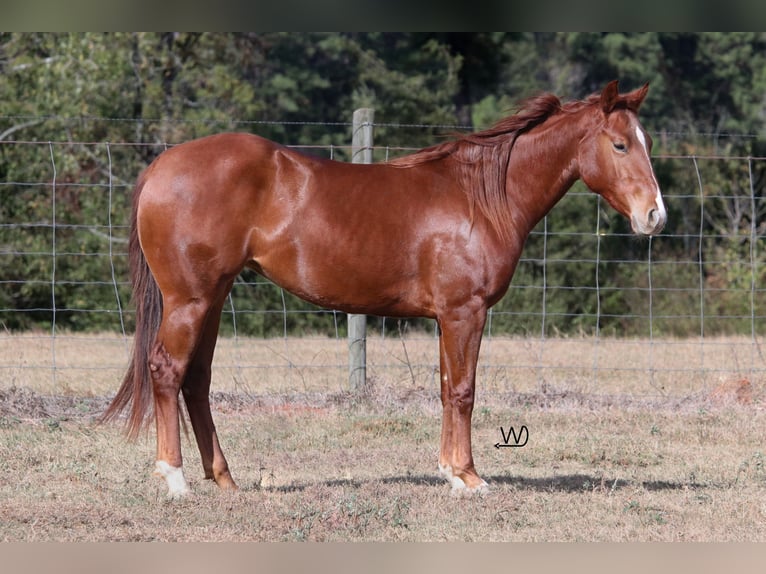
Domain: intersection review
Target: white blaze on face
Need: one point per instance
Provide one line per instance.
(658, 199)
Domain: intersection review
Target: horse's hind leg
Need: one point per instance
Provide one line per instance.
(180, 332)
(196, 392)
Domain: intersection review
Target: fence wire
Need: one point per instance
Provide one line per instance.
(693, 321)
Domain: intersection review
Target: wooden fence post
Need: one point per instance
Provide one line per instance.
(361, 152)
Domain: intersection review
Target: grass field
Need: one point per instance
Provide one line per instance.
(322, 464)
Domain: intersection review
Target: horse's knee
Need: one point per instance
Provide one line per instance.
(462, 397)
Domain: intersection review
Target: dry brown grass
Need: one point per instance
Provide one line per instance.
(317, 463)
(349, 468)
(669, 368)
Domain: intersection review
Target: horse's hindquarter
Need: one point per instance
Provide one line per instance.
(195, 209)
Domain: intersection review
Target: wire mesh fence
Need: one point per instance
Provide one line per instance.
(590, 310)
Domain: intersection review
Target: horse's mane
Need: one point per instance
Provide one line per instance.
(484, 156)
(532, 112)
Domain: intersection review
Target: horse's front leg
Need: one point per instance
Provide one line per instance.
(459, 344)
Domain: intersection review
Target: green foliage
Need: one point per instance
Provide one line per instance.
(82, 113)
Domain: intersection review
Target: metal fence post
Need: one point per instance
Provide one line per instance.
(361, 152)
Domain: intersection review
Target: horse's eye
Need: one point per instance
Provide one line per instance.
(620, 147)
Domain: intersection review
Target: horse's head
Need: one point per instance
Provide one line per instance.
(614, 160)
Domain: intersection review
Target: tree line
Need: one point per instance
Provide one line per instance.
(88, 111)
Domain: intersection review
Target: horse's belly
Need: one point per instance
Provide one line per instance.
(353, 285)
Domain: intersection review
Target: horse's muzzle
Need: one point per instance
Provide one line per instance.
(652, 224)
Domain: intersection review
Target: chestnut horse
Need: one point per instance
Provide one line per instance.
(434, 234)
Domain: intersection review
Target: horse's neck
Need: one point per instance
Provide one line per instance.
(543, 167)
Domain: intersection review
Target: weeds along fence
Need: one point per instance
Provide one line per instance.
(591, 309)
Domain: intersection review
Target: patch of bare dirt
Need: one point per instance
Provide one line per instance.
(733, 392)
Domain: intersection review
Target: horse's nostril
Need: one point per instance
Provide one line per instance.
(654, 217)
(655, 220)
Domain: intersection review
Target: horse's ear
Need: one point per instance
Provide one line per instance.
(634, 99)
(609, 96)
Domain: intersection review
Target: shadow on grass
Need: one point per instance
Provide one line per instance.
(562, 483)
(585, 482)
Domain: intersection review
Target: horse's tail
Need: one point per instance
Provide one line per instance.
(136, 388)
